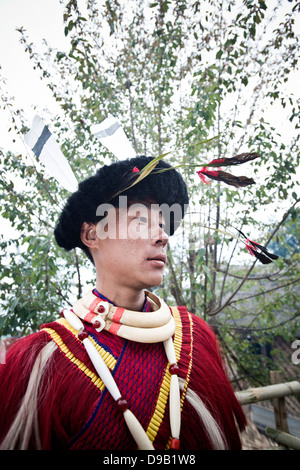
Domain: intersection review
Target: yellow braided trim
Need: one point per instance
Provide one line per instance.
(159, 412)
(109, 360)
(178, 334)
(190, 364)
(57, 339)
(176, 315)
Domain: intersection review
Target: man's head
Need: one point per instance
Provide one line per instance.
(162, 188)
(128, 246)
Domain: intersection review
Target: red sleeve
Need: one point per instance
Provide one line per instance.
(14, 376)
(66, 396)
(209, 374)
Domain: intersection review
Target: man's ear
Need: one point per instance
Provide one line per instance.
(88, 234)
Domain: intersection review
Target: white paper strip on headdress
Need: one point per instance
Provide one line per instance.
(48, 152)
(113, 137)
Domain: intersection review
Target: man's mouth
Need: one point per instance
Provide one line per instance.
(158, 260)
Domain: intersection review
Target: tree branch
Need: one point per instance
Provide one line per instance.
(228, 301)
(175, 289)
(265, 292)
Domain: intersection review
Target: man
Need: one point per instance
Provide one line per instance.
(107, 376)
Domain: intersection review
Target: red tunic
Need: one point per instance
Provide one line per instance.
(77, 412)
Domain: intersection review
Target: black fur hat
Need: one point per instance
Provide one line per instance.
(166, 187)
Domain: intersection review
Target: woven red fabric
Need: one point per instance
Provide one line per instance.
(75, 414)
(209, 380)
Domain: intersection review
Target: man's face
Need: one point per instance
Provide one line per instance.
(132, 246)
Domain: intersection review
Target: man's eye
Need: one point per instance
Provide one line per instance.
(142, 220)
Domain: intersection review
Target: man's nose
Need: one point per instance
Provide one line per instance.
(159, 236)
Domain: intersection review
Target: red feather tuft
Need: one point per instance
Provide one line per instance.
(265, 257)
(237, 181)
(202, 177)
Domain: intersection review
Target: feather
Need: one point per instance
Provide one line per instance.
(237, 160)
(255, 249)
(265, 257)
(113, 137)
(135, 175)
(127, 180)
(262, 258)
(264, 250)
(40, 140)
(237, 181)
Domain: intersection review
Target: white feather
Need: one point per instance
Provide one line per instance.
(50, 155)
(113, 137)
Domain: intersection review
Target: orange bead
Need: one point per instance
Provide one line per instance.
(175, 444)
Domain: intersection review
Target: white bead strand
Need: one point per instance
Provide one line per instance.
(74, 321)
(174, 397)
(139, 435)
(170, 351)
(102, 369)
(175, 413)
(142, 440)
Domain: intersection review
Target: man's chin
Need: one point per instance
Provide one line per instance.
(154, 283)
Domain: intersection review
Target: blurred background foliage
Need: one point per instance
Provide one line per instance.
(175, 73)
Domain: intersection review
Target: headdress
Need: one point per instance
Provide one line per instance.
(160, 181)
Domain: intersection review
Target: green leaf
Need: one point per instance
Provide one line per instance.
(245, 80)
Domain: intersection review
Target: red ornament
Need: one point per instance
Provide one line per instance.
(174, 369)
(217, 162)
(237, 181)
(122, 404)
(250, 247)
(96, 324)
(202, 177)
(101, 309)
(83, 334)
(175, 444)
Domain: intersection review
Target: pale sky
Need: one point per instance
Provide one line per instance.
(44, 19)
(41, 19)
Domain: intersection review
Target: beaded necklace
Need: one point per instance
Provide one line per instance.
(146, 306)
(146, 327)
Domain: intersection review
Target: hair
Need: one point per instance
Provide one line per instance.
(210, 425)
(26, 421)
(165, 187)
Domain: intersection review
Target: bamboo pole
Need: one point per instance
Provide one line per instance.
(254, 395)
(283, 438)
(279, 403)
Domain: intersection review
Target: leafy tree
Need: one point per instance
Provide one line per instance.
(176, 74)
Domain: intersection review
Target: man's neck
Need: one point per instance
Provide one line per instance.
(129, 299)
